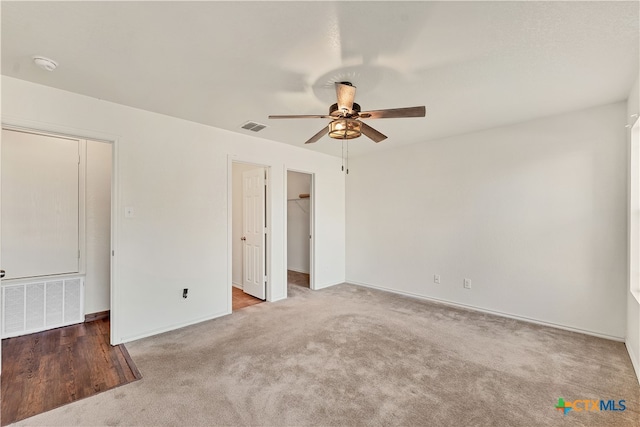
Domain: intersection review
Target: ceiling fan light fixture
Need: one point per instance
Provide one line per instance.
(345, 129)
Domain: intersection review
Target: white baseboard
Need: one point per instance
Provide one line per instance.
(494, 312)
(326, 285)
(634, 361)
(298, 270)
(278, 298)
(237, 285)
(171, 328)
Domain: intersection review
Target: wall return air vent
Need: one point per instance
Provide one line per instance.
(253, 126)
(41, 305)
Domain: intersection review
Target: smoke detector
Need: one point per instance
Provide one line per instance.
(45, 63)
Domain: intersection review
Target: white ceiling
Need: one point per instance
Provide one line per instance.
(475, 65)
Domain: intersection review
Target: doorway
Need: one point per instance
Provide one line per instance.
(56, 230)
(249, 234)
(299, 229)
(77, 286)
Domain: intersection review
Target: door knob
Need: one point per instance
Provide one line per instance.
(1, 274)
(243, 238)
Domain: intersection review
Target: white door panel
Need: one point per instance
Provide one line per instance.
(39, 205)
(253, 215)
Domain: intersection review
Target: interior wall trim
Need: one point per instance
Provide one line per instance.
(328, 285)
(634, 360)
(173, 327)
(90, 317)
(494, 312)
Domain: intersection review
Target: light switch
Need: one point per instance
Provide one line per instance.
(129, 212)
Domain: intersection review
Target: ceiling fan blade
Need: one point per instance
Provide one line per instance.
(393, 113)
(372, 133)
(317, 136)
(303, 116)
(345, 93)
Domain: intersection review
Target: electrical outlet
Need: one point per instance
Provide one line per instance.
(184, 292)
(467, 283)
(436, 278)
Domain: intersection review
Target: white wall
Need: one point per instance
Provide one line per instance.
(534, 214)
(298, 221)
(633, 308)
(237, 190)
(174, 173)
(97, 288)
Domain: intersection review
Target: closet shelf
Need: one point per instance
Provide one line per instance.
(302, 196)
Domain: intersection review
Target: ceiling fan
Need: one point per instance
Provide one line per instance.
(346, 117)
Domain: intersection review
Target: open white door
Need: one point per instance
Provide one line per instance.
(40, 205)
(254, 232)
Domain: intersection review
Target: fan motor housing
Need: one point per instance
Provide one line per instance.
(334, 111)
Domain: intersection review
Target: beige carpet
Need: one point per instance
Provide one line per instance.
(353, 356)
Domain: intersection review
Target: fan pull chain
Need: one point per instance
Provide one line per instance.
(342, 155)
(347, 157)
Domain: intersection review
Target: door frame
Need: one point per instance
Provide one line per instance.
(70, 132)
(312, 225)
(231, 159)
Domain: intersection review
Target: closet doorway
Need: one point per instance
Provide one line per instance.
(249, 234)
(300, 208)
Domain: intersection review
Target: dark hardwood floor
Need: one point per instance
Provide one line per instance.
(52, 368)
(295, 278)
(241, 300)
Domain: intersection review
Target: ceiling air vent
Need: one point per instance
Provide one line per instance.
(253, 126)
